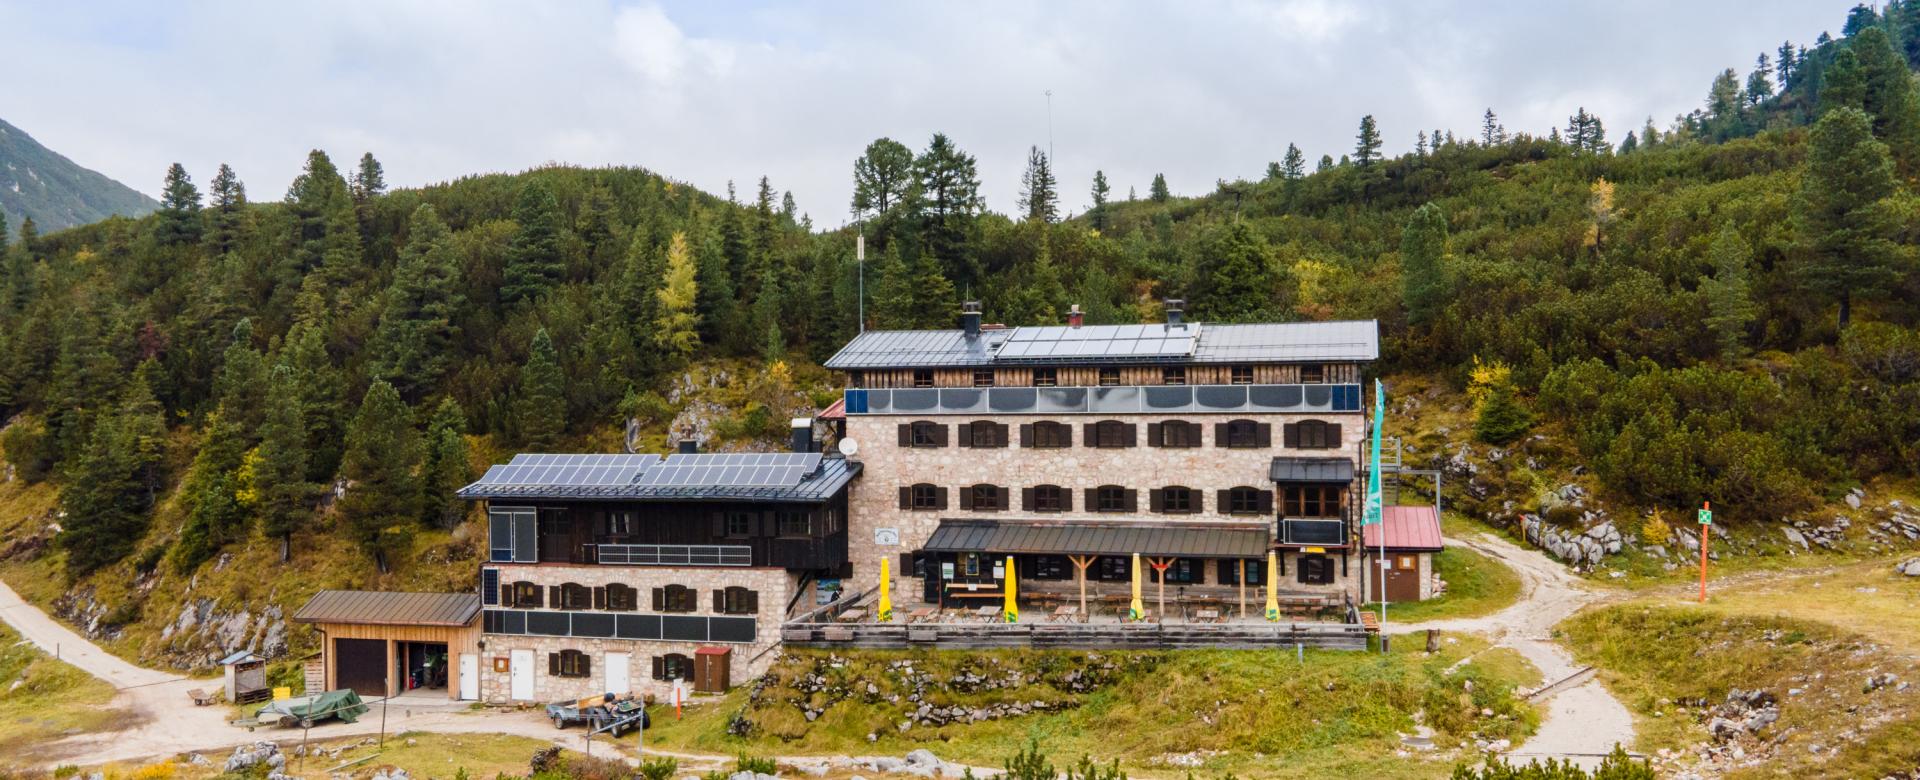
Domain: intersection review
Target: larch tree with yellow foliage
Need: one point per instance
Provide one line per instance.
(678, 330)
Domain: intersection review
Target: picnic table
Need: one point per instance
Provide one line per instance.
(851, 616)
(1065, 613)
(922, 614)
(989, 614)
(1207, 615)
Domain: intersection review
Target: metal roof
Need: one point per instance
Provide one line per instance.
(770, 477)
(1099, 538)
(1311, 470)
(1269, 342)
(389, 608)
(1409, 528)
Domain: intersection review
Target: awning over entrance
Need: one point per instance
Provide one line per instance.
(1098, 538)
(1312, 470)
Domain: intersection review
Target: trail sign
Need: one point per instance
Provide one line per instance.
(1706, 517)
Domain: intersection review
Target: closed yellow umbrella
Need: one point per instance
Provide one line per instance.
(1135, 611)
(885, 611)
(1012, 609)
(1273, 603)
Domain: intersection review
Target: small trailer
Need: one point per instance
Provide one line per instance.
(607, 713)
(304, 711)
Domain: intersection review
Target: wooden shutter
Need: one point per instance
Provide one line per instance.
(1220, 434)
(506, 595)
(1266, 501)
(1066, 500)
(1000, 438)
(1003, 498)
(1333, 435)
(1263, 435)
(719, 601)
(659, 599)
(1130, 500)
(1092, 496)
(906, 440)
(1154, 435)
(1026, 434)
(1066, 435)
(752, 605)
(1026, 499)
(1193, 434)
(1156, 500)
(1223, 503)
(586, 666)
(905, 566)
(906, 496)
(966, 497)
(553, 664)
(939, 435)
(965, 434)
(940, 498)
(1129, 435)
(1290, 435)
(555, 599)
(599, 597)
(659, 668)
(1090, 434)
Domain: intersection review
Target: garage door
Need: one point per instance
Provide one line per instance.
(361, 664)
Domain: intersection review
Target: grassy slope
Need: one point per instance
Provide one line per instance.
(42, 699)
(1266, 714)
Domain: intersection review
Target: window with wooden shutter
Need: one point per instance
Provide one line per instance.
(1238, 434)
(923, 377)
(600, 597)
(906, 497)
(1048, 434)
(983, 498)
(659, 667)
(922, 497)
(1110, 434)
(1245, 500)
(570, 663)
(1242, 375)
(939, 497)
(1045, 498)
(1316, 570)
(1112, 498)
(622, 598)
(736, 600)
(1174, 499)
(924, 433)
(1312, 435)
(659, 599)
(677, 598)
(526, 595)
(1263, 435)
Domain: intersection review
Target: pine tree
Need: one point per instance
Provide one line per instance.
(1039, 197)
(280, 470)
(1420, 145)
(1844, 82)
(1649, 135)
(1759, 84)
(241, 386)
(111, 487)
(447, 466)
(1325, 164)
(717, 314)
(1100, 192)
(369, 180)
(1586, 134)
(540, 405)
(1423, 247)
(1629, 143)
(1489, 128)
(1784, 65)
(1501, 418)
(949, 203)
(533, 264)
(1845, 232)
(227, 215)
(1158, 192)
(210, 494)
(1366, 148)
(1888, 96)
(178, 220)
(382, 504)
(1293, 166)
(1235, 277)
(413, 345)
(323, 404)
(677, 327)
(883, 177)
(1730, 307)
(326, 231)
(932, 295)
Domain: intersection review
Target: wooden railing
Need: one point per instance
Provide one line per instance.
(1083, 636)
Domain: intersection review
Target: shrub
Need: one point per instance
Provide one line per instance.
(755, 764)
(1616, 766)
(1655, 531)
(659, 768)
(29, 449)
(1030, 764)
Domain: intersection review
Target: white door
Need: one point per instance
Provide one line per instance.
(617, 673)
(469, 677)
(521, 662)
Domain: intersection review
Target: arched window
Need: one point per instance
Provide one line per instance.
(1046, 498)
(1112, 498)
(522, 594)
(923, 496)
(736, 600)
(1312, 435)
(1112, 433)
(983, 498)
(1245, 500)
(1046, 434)
(573, 595)
(1242, 434)
(673, 598)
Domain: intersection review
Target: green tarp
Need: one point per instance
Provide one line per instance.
(342, 704)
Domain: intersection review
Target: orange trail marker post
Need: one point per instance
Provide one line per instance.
(1706, 530)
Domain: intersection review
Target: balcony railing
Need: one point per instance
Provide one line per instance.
(1131, 399)
(676, 554)
(1329, 532)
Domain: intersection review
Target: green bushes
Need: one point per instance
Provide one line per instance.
(1618, 766)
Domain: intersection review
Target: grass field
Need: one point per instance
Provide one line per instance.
(42, 700)
(1476, 585)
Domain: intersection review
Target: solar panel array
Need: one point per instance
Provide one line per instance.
(762, 469)
(1098, 341)
(569, 470)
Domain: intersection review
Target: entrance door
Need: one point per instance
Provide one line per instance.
(469, 677)
(521, 663)
(361, 665)
(1403, 580)
(617, 664)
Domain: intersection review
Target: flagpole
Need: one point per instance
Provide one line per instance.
(1375, 511)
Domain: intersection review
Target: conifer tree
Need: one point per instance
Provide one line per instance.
(1629, 143)
(1423, 245)
(1293, 166)
(533, 264)
(326, 231)
(1039, 197)
(414, 344)
(1100, 193)
(540, 405)
(227, 212)
(369, 180)
(1489, 128)
(111, 488)
(1158, 192)
(717, 314)
(1366, 148)
(323, 405)
(1502, 418)
(1844, 230)
(1235, 277)
(677, 329)
(1759, 82)
(179, 214)
(1844, 82)
(382, 504)
(1888, 96)
(210, 494)
(1784, 65)
(1730, 307)
(882, 177)
(446, 469)
(280, 470)
(949, 202)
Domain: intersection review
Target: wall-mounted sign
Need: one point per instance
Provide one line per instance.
(886, 537)
(946, 570)
(501, 664)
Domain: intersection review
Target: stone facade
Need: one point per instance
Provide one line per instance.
(773, 586)
(874, 503)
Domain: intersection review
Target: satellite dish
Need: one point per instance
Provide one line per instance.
(849, 447)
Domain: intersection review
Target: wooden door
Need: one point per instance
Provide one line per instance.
(1403, 580)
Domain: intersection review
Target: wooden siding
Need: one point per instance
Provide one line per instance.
(458, 639)
(1089, 376)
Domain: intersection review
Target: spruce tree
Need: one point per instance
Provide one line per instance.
(326, 230)
(1629, 143)
(540, 405)
(1293, 166)
(1489, 128)
(241, 386)
(323, 404)
(717, 313)
(1730, 307)
(382, 504)
(1501, 417)
(109, 495)
(1844, 229)
(227, 212)
(677, 329)
(1844, 82)
(1759, 82)
(369, 180)
(446, 469)
(1235, 277)
(210, 494)
(533, 265)
(1423, 245)
(1366, 148)
(949, 203)
(931, 292)
(413, 346)
(1039, 196)
(280, 469)
(1888, 96)
(178, 219)
(1158, 192)
(1100, 193)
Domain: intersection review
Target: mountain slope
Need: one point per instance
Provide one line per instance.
(56, 192)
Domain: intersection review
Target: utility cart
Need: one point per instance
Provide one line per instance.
(608, 713)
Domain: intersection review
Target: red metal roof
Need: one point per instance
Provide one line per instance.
(1408, 528)
(834, 411)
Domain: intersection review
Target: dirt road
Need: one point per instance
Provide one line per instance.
(1583, 722)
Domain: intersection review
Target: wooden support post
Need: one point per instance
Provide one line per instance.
(1243, 588)
(1160, 567)
(1080, 564)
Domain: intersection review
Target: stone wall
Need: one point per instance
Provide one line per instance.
(774, 586)
(874, 502)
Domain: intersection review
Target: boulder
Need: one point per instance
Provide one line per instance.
(1795, 537)
(1853, 501)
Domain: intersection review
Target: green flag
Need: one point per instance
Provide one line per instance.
(1373, 511)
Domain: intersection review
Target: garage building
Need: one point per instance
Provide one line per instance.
(394, 644)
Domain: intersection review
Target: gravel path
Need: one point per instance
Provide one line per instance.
(1581, 723)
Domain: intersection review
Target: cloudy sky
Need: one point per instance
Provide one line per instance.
(708, 92)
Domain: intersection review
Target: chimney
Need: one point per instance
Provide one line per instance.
(802, 430)
(970, 318)
(1075, 317)
(1175, 312)
(688, 446)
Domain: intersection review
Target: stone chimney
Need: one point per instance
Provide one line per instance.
(1176, 312)
(1075, 317)
(970, 318)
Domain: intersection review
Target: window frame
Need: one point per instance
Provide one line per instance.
(1109, 499)
(736, 600)
(1240, 375)
(985, 497)
(983, 434)
(1108, 376)
(1183, 571)
(1052, 435)
(525, 594)
(1188, 504)
(1301, 501)
(923, 377)
(922, 435)
(1320, 437)
(782, 518)
(679, 599)
(1046, 377)
(1179, 433)
(1243, 500)
(1315, 569)
(1243, 434)
(1229, 573)
(983, 377)
(1049, 498)
(1313, 374)
(1173, 375)
(574, 597)
(1109, 435)
(572, 663)
(744, 530)
(923, 497)
(622, 597)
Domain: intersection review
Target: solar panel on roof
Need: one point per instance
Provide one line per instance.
(740, 469)
(569, 470)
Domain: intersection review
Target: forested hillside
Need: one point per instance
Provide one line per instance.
(39, 185)
(1725, 308)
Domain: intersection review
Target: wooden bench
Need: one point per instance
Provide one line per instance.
(1371, 622)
